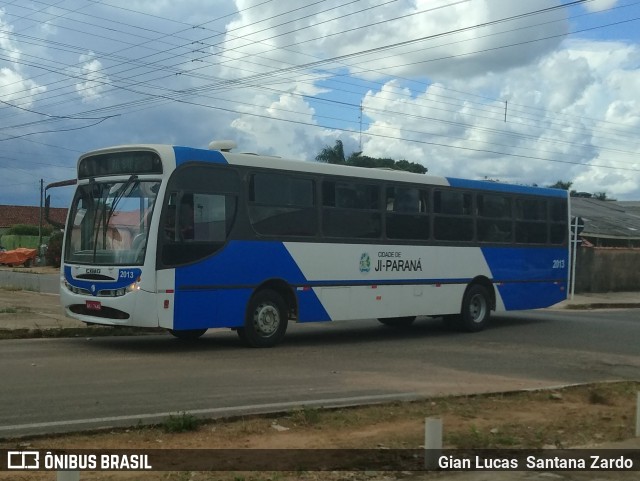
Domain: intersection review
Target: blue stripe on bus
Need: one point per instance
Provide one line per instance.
(186, 154)
(244, 264)
(531, 295)
(533, 268)
(509, 188)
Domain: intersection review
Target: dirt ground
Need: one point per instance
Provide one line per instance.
(27, 309)
(583, 416)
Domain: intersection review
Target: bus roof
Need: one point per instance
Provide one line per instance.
(186, 154)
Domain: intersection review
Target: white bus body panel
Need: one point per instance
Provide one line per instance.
(389, 280)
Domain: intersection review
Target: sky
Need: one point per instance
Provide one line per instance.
(522, 92)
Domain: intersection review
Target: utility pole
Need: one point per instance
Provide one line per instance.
(40, 224)
(360, 126)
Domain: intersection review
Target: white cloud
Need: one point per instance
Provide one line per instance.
(570, 107)
(15, 87)
(94, 82)
(568, 100)
(460, 38)
(600, 5)
(270, 136)
(7, 43)
(18, 90)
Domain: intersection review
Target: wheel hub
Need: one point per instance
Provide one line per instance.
(266, 319)
(477, 308)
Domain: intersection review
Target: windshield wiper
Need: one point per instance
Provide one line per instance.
(120, 195)
(106, 218)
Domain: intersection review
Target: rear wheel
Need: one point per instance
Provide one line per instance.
(476, 309)
(266, 320)
(397, 321)
(187, 334)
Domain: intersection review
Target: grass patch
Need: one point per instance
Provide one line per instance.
(180, 423)
(598, 396)
(11, 288)
(60, 332)
(307, 416)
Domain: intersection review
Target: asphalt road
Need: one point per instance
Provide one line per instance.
(57, 385)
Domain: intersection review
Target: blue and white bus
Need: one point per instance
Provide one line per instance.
(191, 239)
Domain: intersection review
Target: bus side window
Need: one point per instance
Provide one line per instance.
(210, 217)
(494, 214)
(186, 219)
(170, 223)
(405, 199)
(351, 209)
(531, 221)
(407, 216)
(453, 221)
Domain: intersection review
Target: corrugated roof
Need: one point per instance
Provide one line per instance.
(608, 219)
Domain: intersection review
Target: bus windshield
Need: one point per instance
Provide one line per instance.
(109, 222)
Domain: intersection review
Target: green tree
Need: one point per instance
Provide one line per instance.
(562, 184)
(335, 155)
(411, 166)
(601, 196)
(332, 155)
(53, 254)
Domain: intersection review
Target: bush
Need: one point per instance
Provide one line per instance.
(180, 423)
(24, 229)
(54, 250)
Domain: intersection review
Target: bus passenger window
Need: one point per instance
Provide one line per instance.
(494, 213)
(406, 215)
(403, 199)
(531, 217)
(351, 210)
(558, 220)
(453, 221)
(282, 205)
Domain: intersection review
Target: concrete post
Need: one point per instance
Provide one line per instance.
(68, 476)
(432, 442)
(638, 416)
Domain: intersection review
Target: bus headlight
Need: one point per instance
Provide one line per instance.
(132, 287)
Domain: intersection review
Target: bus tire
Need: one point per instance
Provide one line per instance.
(476, 309)
(398, 322)
(266, 320)
(187, 334)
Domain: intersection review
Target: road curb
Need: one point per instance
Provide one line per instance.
(602, 305)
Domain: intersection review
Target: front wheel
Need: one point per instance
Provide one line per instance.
(476, 309)
(187, 334)
(266, 320)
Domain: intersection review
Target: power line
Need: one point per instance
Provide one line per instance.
(169, 98)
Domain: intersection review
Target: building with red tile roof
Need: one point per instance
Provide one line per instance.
(11, 215)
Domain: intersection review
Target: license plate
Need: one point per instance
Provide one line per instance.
(94, 305)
